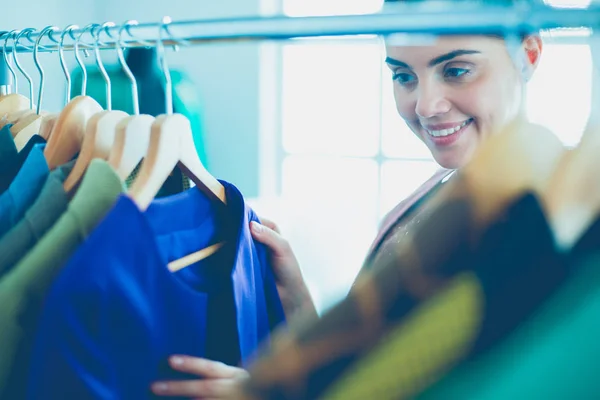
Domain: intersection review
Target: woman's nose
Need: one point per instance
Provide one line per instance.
(431, 101)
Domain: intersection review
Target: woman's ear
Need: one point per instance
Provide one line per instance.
(532, 51)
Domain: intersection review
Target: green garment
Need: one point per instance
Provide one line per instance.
(38, 219)
(553, 356)
(22, 290)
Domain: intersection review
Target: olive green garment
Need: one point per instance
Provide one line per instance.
(22, 290)
(38, 219)
(554, 356)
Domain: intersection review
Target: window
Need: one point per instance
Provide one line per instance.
(347, 157)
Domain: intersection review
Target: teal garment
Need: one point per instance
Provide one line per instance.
(554, 356)
(186, 96)
(9, 158)
(51, 203)
(24, 189)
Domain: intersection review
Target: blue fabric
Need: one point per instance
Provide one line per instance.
(115, 313)
(11, 159)
(24, 189)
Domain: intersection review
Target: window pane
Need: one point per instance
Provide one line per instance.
(330, 220)
(398, 140)
(331, 98)
(400, 178)
(301, 8)
(559, 94)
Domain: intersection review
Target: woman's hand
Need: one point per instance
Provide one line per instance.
(292, 289)
(219, 381)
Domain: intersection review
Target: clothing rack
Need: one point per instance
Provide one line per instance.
(410, 19)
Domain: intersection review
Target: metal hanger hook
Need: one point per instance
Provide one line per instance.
(47, 30)
(7, 60)
(162, 62)
(119, 45)
(99, 62)
(86, 28)
(61, 56)
(18, 64)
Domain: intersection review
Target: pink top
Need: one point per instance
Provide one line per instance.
(400, 210)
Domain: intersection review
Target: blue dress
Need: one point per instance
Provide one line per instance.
(116, 313)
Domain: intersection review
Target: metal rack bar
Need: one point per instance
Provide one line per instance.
(455, 20)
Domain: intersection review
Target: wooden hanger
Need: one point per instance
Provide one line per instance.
(171, 145)
(132, 138)
(47, 125)
(100, 131)
(97, 143)
(13, 106)
(66, 137)
(26, 128)
(132, 135)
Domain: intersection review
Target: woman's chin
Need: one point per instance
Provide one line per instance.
(449, 161)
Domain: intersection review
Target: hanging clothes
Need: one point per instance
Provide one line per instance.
(221, 308)
(23, 288)
(11, 159)
(444, 300)
(552, 356)
(50, 204)
(24, 189)
(186, 101)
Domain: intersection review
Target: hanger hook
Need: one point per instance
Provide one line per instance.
(18, 64)
(119, 45)
(162, 62)
(99, 62)
(7, 60)
(86, 28)
(36, 60)
(61, 56)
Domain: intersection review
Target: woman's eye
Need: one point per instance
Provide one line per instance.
(404, 78)
(455, 72)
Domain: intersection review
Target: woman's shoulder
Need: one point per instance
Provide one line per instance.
(405, 205)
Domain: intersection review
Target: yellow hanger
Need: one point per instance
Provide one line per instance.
(100, 130)
(132, 133)
(171, 145)
(67, 134)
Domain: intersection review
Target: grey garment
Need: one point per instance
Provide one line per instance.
(38, 219)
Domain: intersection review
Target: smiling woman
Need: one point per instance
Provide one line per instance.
(460, 90)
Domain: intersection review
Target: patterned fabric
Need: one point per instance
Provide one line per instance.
(177, 182)
(452, 264)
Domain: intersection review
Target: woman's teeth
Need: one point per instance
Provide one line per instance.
(446, 132)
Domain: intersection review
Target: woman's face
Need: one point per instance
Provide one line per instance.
(455, 92)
